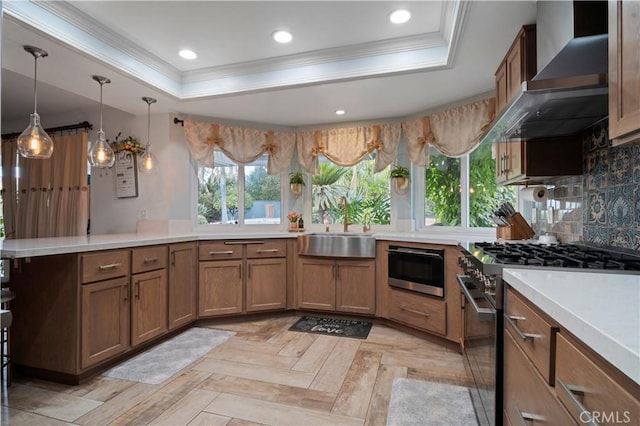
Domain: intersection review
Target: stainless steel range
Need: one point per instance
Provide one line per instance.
(483, 288)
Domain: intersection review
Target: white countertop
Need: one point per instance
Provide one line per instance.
(601, 309)
(15, 249)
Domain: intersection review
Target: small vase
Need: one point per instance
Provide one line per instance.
(293, 225)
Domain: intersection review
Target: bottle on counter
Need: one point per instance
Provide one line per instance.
(300, 223)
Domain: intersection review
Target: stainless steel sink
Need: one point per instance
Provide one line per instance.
(337, 245)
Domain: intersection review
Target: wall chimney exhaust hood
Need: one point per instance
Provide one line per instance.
(571, 92)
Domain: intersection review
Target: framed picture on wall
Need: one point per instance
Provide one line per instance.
(126, 175)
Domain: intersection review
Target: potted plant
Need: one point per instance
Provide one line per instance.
(293, 218)
(296, 181)
(400, 175)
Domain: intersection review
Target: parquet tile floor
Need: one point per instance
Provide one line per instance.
(265, 374)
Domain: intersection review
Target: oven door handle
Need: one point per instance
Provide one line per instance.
(416, 252)
(484, 314)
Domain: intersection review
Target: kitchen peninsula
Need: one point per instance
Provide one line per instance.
(83, 303)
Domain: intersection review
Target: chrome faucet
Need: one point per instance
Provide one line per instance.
(345, 205)
(367, 223)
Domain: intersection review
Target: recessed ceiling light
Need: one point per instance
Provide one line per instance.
(399, 16)
(282, 36)
(339, 112)
(187, 54)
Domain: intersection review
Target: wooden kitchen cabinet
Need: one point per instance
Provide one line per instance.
(148, 293)
(518, 65)
(536, 161)
(105, 320)
(316, 283)
(340, 285)
(183, 284)
(266, 284)
(255, 280)
(624, 71)
(583, 386)
(527, 397)
(220, 288)
(416, 310)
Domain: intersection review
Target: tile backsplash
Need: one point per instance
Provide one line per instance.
(603, 205)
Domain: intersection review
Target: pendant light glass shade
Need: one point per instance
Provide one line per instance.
(101, 155)
(34, 141)
(148, 163)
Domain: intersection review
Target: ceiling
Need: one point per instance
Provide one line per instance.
(344, 55)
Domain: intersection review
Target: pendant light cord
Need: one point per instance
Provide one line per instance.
(148, 125)
(101, 84)
(35, 85)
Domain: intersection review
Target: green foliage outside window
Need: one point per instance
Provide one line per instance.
(367, 193)
(442, 189)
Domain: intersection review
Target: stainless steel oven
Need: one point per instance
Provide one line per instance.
(417, 269)
(483, 351)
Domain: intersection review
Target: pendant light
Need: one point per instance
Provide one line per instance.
(148, 163)
(101, 155)
(34, 141)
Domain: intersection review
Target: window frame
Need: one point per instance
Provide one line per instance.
(231, 227)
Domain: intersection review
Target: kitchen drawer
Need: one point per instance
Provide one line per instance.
(145, 259)
(218, 250)
(270, 248)
(419, 311)
(527, 398)
(104, 265)
(534, 334)
(582, 386)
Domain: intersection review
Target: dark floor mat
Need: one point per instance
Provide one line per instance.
(332, 327)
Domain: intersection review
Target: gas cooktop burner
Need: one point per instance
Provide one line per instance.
(559, 255)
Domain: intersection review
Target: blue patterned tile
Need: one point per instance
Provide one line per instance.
(597, 170)
(620, 207)
(636, 203)
(636, 163)
(597, 137)
(597, 207)
(620, 167)
(595, 235)
(625, 238)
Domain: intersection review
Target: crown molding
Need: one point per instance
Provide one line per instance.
(65, 23)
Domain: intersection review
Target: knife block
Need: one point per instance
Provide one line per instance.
(519, 229)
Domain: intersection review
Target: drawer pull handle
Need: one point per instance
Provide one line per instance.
(267, 251)
(413, 311)
(214, 252)
(522, 335)
(109, 266)
(571, 392)
(126, 291)
(151, 259)
(529, 417)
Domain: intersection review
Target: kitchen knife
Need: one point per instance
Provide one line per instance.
(510, 209)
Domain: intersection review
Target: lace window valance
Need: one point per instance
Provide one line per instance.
(348, 146)
(243, 145)
(453, 132)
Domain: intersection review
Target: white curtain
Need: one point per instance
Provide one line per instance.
(243, 145)
(46, 198)
(350, 145)
(453, 132)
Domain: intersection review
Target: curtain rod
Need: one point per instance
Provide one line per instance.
(83, 125)
(176, 120)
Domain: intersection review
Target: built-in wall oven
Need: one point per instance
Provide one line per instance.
(417, 269)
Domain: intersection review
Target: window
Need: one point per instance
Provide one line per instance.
(444, 191)
(219, 188)
(367, 194)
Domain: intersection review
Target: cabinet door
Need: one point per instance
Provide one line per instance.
(501, 159)
(266, 284)
(515, 160)
(356, 286)
(316, 284)
(105, 320)
(220, 288)
(501, 88)
(514, 70)
(148, 306)
(624, 72)
(527, 398)
(182, 284)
